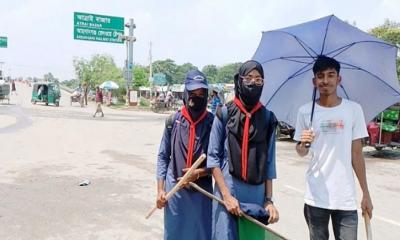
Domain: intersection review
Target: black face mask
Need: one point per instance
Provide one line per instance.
(250, 94)
(197, 103)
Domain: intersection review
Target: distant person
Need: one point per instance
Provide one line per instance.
(13, 88)
(77, 91)
(40, 92)
(169, 99)
(85, 92)
(336, 134)
(99, 102)
(215, 101)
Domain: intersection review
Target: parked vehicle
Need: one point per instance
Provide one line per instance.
(384, 130)
(284, 129)
(77, 97)
(5, 92)
(48, 93)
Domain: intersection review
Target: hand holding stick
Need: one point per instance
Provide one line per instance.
(248, 217)
(181, 182)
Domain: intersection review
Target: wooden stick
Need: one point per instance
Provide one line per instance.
(248, 217)
(181, 182)
(368, 226)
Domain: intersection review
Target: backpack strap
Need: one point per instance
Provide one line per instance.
(170, 121)
(222, 114)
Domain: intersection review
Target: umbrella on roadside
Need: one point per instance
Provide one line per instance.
(368, 66)
(109, 85)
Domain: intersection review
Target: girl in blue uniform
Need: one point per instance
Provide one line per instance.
(241, 153)
(187, 214)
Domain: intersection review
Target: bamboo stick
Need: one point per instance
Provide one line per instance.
(250, 218)
(181, 182)
(367, 226)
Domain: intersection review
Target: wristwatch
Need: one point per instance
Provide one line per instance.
(269, 200)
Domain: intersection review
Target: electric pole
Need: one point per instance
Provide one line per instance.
(128, 73)
(151, 70)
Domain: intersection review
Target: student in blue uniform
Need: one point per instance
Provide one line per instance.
(187, 214)
(241, 153)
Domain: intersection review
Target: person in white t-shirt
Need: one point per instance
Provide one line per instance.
(335, 135)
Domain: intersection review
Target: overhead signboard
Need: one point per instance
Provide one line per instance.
(159, 79)
(99, 28)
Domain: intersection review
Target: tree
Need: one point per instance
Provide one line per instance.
(168, 67)
(104, 69)
(227, 72)
(141, 74)
(211, 72)
(181, 72)
(72, 83)
(50, 78)
(389, 32)
(99, 69)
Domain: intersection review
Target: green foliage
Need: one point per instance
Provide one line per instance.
(141, 76)
(181, 72)
(99, 69)
(389, 32)
(50, 78)
(168, 67)
(72, 83)
(227, 72)
(211, 72)
(143, 102)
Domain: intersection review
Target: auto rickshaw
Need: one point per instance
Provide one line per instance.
(5, 92)
(49, 93)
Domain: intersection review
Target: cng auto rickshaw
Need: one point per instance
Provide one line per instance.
(5, 92)
(49, 93)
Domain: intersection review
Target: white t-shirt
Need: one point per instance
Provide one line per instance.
(329, 178)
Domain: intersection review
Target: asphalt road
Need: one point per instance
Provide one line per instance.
(46, 151)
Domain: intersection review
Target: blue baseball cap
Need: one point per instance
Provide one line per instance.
(195, 80)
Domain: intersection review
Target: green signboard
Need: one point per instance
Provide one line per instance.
(3, 42)
(159, 79)
(100, 28)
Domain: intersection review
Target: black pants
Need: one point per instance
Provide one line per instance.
(344, 223)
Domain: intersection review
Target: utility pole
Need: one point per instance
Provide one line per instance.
(151, 70)
(128, 73)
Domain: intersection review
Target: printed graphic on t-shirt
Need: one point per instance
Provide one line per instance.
(332, 126)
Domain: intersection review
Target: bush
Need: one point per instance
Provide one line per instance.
(144, 102)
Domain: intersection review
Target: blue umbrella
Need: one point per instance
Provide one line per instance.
(368, 66)
(109, 85)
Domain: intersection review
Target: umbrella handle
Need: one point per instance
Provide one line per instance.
(308, 144)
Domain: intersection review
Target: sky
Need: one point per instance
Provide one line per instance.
(202, 32)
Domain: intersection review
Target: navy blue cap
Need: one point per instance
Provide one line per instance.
(195, 80)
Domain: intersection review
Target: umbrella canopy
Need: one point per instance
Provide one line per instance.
(368, 66)
(109, 85)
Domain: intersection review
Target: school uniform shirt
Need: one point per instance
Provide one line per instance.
(224, 224)
(329, 179)
(187, 214)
